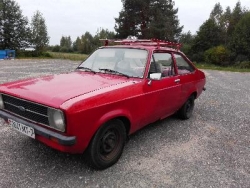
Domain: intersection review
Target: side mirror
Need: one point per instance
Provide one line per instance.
(155, 76)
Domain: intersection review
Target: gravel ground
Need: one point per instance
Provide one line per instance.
(212, 149)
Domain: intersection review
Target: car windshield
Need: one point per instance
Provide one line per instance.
(120, 61)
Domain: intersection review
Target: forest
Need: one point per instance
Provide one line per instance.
(223, 39)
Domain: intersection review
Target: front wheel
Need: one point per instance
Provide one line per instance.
(107, 145)
(187, 109)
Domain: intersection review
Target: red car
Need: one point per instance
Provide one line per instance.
(116, 91)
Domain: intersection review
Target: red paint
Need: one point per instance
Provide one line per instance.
(88, 100)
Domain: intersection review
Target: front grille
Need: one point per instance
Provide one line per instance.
(26, 109)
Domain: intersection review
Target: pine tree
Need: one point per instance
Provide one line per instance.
(14, 31)
(148, 19)
(238, 50)
(236, 15)
(240, 42)
(133, 18)
(39, 34)
(164, 23)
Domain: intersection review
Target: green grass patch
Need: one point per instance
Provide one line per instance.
(70, 56)
(226, 68)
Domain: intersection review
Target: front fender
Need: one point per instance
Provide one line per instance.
(85, 124)
(116, 113)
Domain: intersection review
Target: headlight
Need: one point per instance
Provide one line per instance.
(56, 119)
(1, 102)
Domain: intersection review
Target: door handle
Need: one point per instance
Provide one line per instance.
(177, 80)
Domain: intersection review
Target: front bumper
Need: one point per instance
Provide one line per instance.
(61, 139)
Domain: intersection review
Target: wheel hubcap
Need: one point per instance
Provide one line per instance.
(109, 141)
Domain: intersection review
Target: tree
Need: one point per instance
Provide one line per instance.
(148, 19)
(14, 30)
(66, 44)
(208, 36)
(240, 42)
(164, 23)
(77, 45)
(186, 39)
(234, 38)
(87, 45)
(235, 17)
(133, 18)
(62, 41)
(225, 20)
(217, 13)
(39, 34)
(102, 34)
(222, 19)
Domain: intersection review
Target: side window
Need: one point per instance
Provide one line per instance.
(162, 62)
(182, 65)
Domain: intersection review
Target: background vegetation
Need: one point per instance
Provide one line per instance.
(17, 33)
(223, 40)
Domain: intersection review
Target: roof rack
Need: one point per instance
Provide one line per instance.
(144, 42)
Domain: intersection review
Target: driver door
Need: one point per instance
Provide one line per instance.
(163, 95)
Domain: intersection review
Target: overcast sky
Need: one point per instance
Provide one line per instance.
(75, 17)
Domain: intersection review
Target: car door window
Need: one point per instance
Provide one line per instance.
(162, 62)
(183, 66)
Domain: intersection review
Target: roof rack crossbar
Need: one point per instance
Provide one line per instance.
(145, 42)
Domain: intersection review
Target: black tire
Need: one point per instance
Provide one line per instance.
(187, 109)
(107, 144)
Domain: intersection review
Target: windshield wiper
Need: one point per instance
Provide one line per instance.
(114, 71)
(87, 69)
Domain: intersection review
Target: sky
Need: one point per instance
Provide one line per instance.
(75, 17)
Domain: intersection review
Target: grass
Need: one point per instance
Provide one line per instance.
(70, 56)
(215, 67)
(56, 55)
(82, 57)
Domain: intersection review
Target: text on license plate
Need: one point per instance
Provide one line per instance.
(29, 131)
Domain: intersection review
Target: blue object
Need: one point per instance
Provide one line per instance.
(7, 54)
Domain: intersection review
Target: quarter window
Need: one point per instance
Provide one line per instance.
(182, 65)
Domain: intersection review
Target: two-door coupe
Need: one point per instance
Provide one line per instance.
(116, 91)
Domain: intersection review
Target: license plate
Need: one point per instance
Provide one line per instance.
(29, 131)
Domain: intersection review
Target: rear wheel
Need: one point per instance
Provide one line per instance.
(187, 109)
(107, 145)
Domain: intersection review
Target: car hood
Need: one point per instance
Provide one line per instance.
(56, 89)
